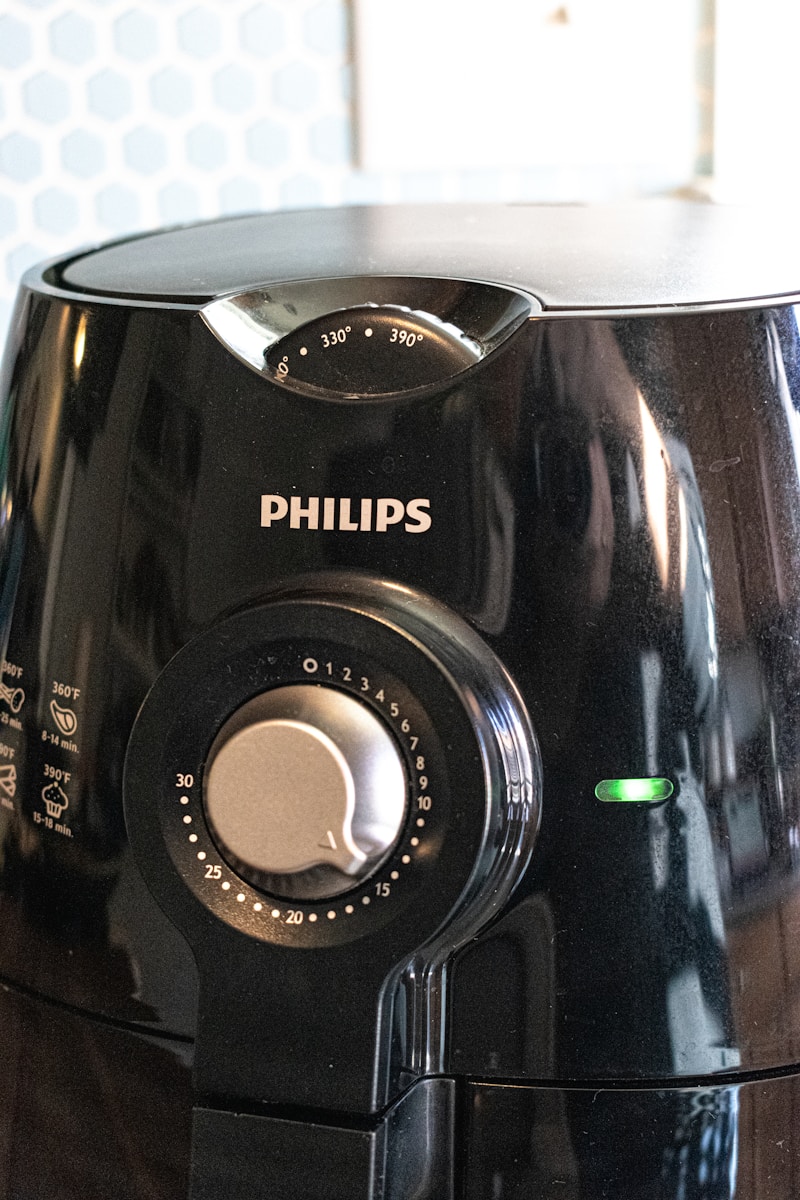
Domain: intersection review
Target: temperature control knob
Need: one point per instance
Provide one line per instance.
(305, 791)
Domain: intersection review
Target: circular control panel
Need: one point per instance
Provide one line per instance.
(309, 772)
(305, 791)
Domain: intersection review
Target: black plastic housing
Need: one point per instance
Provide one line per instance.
(613, 494)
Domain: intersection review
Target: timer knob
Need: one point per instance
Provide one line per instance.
(305, 791)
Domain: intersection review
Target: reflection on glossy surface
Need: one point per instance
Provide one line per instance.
(77, 921)
(705, 1143)
(89, 1111)
(675, 666)
(615, 506)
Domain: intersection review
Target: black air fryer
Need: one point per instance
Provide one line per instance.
(399, 726)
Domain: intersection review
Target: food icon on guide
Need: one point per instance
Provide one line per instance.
(8, 780)
(65, 718)
(55, 800)
(13, 697)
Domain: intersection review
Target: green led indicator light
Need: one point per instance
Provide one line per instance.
(634, 791)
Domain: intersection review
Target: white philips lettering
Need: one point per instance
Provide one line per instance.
(388, 512)
(273, 508)
(329, 513)
(310, 513)
(344, 516)
(347, 515)
(417, 509)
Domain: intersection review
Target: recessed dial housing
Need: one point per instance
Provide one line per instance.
(300, 997)
(305, 791)
(321, 775)
(367, 336)
(373, 350)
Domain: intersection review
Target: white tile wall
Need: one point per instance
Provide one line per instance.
(118, 116)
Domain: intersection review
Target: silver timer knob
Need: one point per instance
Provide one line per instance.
(305, 791)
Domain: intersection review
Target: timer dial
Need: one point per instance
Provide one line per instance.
(305, 791)
(329, 766)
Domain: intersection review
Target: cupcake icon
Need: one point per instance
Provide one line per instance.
(55, 800)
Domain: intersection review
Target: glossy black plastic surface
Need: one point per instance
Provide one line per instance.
(408, 1152)
(702, 1143)
(89, 1110)
(121, 1103)
(327, 1003)
(367, 335)
(570, 256)
(612, 503)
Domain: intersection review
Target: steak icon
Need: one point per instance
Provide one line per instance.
(64, 718)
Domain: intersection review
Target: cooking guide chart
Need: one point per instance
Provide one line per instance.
(56, 728)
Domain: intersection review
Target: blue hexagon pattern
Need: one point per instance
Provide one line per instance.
(145, 149)
(234, 88)
(136, 35)
(72, 38)
(295, 87)
(83, 154)
(206, 147)
(15, 42)
(55, 211)
(46, 97)
(261, 30)
(20, 157)
(119, 115)
(199, 32)
(172, 91)
(109, 94)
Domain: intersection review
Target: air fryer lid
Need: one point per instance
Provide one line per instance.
(574, 258)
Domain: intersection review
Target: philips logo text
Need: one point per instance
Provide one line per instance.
(353, 516)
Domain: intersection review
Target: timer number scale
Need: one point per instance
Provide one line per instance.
(263, 912)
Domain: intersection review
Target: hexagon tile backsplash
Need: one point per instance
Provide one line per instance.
(116, 117)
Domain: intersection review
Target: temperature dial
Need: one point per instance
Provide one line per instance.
(372, 350)
(305, 792)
